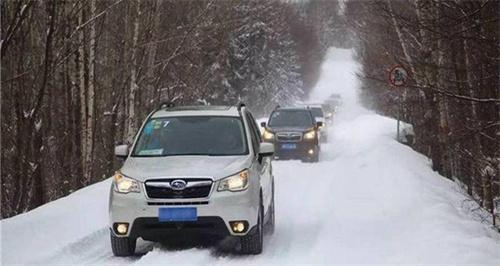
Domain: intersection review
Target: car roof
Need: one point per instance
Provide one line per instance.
(293, 108)
(312, 105)
(198, 110)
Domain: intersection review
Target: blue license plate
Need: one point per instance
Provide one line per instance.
(177, 215)
(288, 146)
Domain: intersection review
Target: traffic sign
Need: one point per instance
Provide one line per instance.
(398, 76)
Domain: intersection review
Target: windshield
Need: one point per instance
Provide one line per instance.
(317, 112)
(291, 118)
(192, 135)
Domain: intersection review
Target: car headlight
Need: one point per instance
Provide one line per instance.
(268, 135)
(237, 182)
(124, 184)
(310, 135)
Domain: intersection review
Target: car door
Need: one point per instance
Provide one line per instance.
(263, 165)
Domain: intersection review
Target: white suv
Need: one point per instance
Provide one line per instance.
(199, 170)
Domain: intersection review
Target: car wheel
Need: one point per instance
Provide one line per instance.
(122, 246)
(315, 158)
(272, 220)
(253, 242)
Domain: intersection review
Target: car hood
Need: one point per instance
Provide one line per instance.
(217, 167)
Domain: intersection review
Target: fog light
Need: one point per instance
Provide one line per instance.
(311, 151)
(121, 228)
(239, 226)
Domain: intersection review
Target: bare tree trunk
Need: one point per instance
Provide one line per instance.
(150, 73)
(83, 94)
(89, 142)
(131, 116)
(425, 11)
(476, 146)
(38, 195)
(442, 103)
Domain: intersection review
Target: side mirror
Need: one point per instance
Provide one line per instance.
(319, 124)
(121, 151)
(263, 124)
(266, 149)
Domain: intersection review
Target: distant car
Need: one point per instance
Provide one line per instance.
(294, 133)
(329, 113)
(335, 101)
(191, 171)
(335, 96)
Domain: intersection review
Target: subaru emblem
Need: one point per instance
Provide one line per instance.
(178, 184)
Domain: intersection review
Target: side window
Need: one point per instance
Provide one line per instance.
(253, 135)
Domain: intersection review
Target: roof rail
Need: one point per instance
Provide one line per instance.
(240, 105)
(164, 105)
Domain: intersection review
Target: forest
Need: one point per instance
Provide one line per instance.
(452, 54)
(79, 76)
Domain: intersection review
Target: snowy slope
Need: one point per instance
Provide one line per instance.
(369, 200)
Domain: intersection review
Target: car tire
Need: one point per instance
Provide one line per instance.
(270, 225)
(122, 246)
(315, 158)
(253, 242)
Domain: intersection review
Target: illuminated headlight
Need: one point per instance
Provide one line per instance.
(329, 114)
(268, 135)
(124, 184)
(235, 182)
(310, 135)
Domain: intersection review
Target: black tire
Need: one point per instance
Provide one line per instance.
(253, 242)
(270, 225)
(122, 246)
(315, 158)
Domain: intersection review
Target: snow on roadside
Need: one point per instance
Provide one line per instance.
(44, 231)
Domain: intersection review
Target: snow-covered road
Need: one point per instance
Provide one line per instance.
(369, 200)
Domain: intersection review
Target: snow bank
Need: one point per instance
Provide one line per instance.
(43, 232)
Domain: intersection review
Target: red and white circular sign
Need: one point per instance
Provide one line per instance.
(398, 76)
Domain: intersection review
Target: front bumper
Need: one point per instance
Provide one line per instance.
(149, 228)
(300, 152)
(214, 213)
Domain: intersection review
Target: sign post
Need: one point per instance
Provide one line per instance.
(397, 78)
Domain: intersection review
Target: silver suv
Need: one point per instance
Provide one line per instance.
(200, 170)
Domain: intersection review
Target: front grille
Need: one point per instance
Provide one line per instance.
(195, 188)
(178, 203)
(289, 137)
